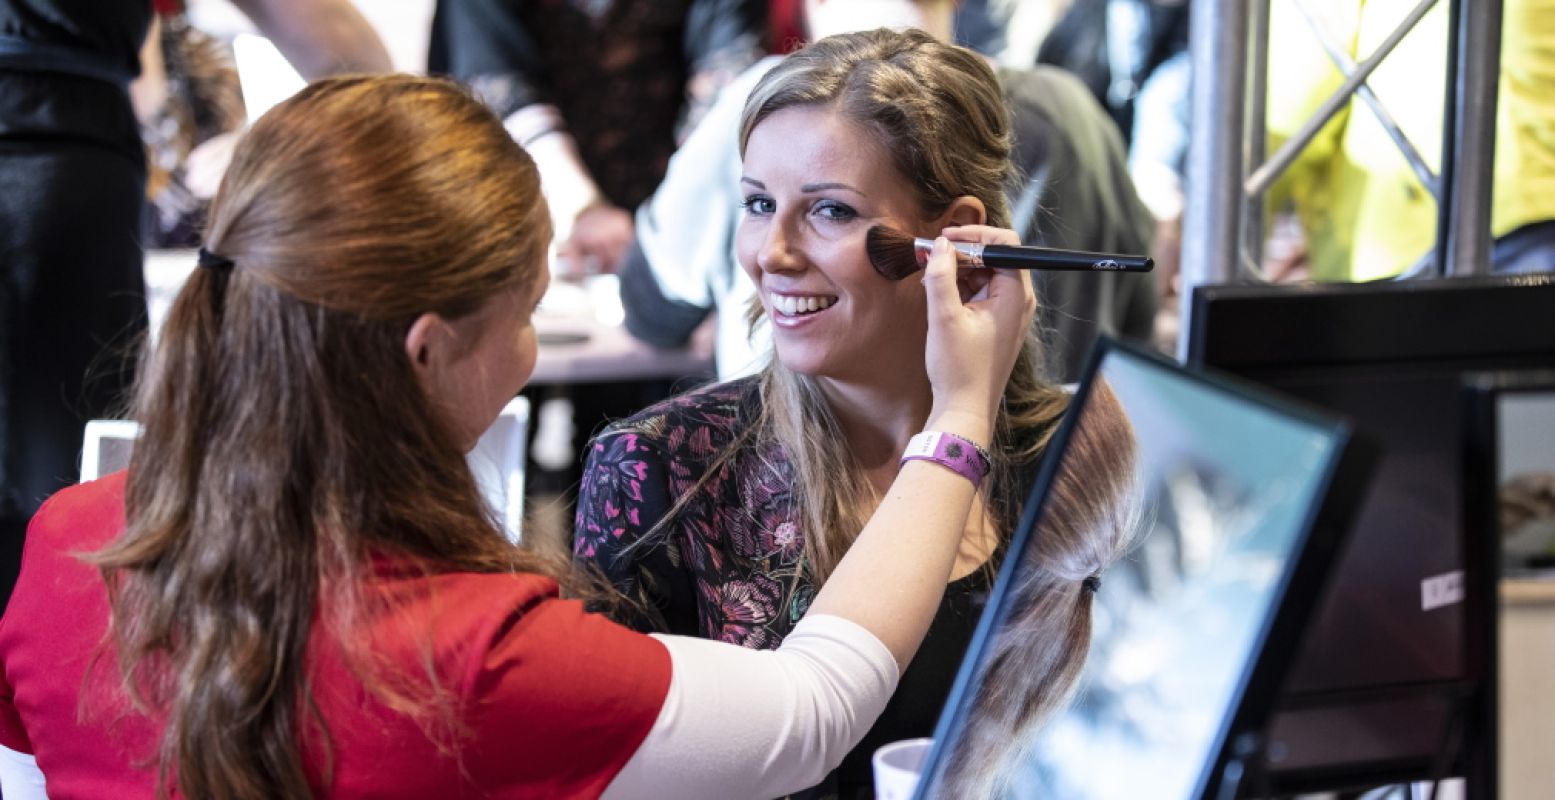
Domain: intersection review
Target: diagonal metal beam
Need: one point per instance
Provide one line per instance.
(1259, 182)
(1347, 68)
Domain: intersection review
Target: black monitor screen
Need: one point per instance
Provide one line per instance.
(1376, 689)
(1216, 492)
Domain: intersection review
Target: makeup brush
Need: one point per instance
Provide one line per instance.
(896, 255)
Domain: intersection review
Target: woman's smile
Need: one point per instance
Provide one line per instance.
(790, 310)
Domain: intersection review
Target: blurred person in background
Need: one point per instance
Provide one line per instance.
(600, 93)
(1114, 46)
(1133, 57)
(1365, 213)
(596, 90)
(74, 170)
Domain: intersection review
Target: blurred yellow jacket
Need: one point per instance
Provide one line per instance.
(1365, 212)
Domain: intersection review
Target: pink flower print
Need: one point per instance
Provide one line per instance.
(742, 607)
(701, 443)
(772, 519)
(786, 539)
(614, 478)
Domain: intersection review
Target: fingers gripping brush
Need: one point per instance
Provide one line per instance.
(896, 255)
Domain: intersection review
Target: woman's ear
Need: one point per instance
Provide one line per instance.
(964, 210)
(424, 345)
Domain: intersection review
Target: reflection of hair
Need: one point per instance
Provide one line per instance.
(1035, 659)
(287, 438)
(938, 110)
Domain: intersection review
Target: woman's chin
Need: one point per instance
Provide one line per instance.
(802, 360)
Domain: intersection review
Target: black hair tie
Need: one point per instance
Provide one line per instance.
(210, 260)
(1092, 583)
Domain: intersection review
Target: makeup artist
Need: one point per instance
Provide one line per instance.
(723, 512)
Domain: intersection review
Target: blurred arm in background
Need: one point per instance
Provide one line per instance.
(319, 37)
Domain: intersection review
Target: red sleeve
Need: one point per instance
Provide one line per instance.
(76, 519)
(12, 734)
(563, 699)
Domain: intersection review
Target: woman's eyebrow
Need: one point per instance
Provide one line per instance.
(821, 187)
(809, 188)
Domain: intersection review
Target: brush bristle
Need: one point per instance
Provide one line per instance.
(891, 252)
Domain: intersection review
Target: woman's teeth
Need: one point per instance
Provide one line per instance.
(793, 306)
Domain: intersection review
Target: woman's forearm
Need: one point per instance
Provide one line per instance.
(781, 726)
(319, 37)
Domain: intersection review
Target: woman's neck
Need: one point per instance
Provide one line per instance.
(877, 419)
(876, 422)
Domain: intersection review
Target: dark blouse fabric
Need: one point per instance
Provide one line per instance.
(730, 566)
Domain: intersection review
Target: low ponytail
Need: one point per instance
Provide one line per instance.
(1036, 658)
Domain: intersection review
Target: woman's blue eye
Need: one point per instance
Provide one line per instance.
(757, 204)
(835, 211)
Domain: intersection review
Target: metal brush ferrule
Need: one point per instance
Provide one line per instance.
(970, 253)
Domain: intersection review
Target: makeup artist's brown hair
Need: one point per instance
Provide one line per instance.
(1089, 520)
(287, 440)
(938, 110)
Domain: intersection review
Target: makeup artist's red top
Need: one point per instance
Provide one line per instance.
(555, 699)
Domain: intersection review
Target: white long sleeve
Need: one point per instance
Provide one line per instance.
(761, 723)
(20, 778)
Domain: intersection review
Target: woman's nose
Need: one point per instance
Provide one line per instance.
(777, 253)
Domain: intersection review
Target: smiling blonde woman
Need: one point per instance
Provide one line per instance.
(721, 513)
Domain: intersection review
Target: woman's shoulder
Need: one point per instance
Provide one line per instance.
(83, 516)
(703, 418)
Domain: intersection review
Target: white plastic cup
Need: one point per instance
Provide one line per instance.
(898, 766)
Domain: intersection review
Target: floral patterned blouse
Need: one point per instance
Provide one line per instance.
(730, 566)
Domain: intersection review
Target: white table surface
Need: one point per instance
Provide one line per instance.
(590, 312)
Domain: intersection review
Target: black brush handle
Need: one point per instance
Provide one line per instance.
(1004, 256)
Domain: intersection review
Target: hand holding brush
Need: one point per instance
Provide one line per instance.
(896, 255)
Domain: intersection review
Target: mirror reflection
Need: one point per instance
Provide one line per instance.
(1210, 493)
